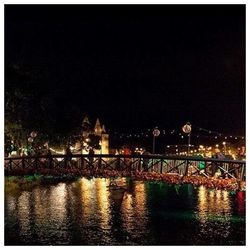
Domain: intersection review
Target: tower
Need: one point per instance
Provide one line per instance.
(103, 129)
(98, 128)
(105, 142)
(86, 127)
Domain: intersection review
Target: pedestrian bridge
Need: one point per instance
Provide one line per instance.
(207, 167)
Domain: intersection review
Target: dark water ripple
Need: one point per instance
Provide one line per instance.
(86, 212)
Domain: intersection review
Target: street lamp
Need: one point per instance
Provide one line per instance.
(33, 134)
(156, 132)
(225, 148)
(187, 129)
(30, 139)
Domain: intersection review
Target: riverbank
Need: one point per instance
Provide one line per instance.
(29, 177)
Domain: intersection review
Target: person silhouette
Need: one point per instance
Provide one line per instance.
(68, 157)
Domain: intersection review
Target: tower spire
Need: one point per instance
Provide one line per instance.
(98, 129)
(103, 129)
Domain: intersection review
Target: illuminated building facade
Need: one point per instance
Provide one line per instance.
(99, 131)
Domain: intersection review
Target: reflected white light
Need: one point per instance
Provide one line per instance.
(58, 202)
(103, 202)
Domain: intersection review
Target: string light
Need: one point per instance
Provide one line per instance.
(210, 134)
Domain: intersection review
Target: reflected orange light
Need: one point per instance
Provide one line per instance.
(103, 202)
(212, 203)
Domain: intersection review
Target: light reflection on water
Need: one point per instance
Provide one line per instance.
(103, 205)
(212, 202)
(214, 205)
(86, 212)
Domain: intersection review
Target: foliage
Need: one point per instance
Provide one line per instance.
(30, 105)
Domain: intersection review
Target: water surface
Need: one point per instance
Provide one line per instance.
(86, 212)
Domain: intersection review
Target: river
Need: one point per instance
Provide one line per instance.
(86, 212)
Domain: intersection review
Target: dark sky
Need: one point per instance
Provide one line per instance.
(137, 66)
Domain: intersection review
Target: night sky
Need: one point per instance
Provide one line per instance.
(134, 67)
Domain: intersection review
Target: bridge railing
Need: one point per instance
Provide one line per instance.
(180, 165)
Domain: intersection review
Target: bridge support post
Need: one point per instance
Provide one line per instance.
(242, 172)
(10, 164)
(161, 166)
(65, 162)
(36, 162)
(118, 163)
(139, 164)
(186, 168)
(82, 162)
(99, 163)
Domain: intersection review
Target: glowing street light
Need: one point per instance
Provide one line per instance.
(30, 139)
(156, 132)
(225, 148)
(33, 134)
(187, 129)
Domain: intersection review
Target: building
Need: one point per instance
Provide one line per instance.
(97, 130)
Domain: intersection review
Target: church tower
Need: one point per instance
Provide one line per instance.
(98, 128)
(104, 142)
(86, 127)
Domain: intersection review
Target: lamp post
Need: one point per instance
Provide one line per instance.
(156, 132)
(225, 148)
(187, 129)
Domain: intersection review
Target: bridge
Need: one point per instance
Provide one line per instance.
(183, 166)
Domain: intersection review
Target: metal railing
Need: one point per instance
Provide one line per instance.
(183, 166)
